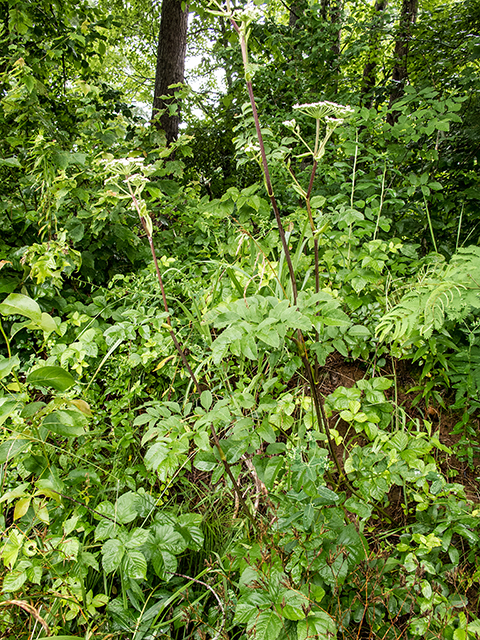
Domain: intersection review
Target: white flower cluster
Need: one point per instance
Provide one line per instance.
(252, 148)
(251, 12)
(325, 109)
(290, 124)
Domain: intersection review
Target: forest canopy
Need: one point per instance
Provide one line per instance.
(239, 334)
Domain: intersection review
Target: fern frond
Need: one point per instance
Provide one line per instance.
(451, 291)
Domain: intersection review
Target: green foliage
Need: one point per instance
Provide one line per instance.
(218, 444)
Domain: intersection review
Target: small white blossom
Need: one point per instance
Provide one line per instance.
(251, 12)
(123, 163)
(290, 124)
(333, 123)
(252, 148)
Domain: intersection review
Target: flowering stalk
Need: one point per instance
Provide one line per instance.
(148, 228)
(241, 31)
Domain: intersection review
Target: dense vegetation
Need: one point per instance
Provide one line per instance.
(240, 372)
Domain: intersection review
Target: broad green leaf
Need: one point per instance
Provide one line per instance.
(155, 455)
(360, 508)
(268, 626)
(164, 564)
(318, 626)
(7, 406)
(168, 539)
(47, 323)
(206, 399)
(18, 492)
(21, 507)
(126, 509)
(20, 305)
(399, 441)
(10, 448)
(112, 554)
(7, 365)
(14, 581)
(65, 423)
(134, 565)
(51, 376)
(137, 538)
(189, 527)
(245, 613)
(205, 461)
(11, 548)
(291, 604)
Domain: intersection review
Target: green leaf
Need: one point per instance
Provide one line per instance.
(205, 461)
(60, 638)
(7, 407)
(11, 548)
(7, 365)
(137, 538)
(268, 626)
(188, 526)
(112, 554)
(126, 508)
(318, 626)
(134, 565)
(18, 304)
(164, 564)
(51, 376)
(168, 539)
(10, 448)
(14, 580)
(317, 201)
(360, 508)
(65, 423)
(206, 399)
(10, 162)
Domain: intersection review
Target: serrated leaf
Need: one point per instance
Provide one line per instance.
(126, 509)
(268, 626)
(112, 554)
(137, 538)
(318, 626)
(134, 565)
(164, 564)
(14, 581)
(168, 539)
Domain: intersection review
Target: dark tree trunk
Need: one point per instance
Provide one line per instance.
(335, 18)
(172, 46)
(408, 18)
(370, 70)
(297, 7)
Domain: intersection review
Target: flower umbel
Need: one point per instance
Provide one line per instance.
(324, 109)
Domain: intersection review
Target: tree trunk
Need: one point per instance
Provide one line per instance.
(369, 72)
(408, 18)
(170, 69)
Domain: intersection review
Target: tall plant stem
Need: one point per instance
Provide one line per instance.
(312, 225)
(430, 224)
(354, 173)
(266, 172)
(178, 347)
(181, 352)
(300, 341)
